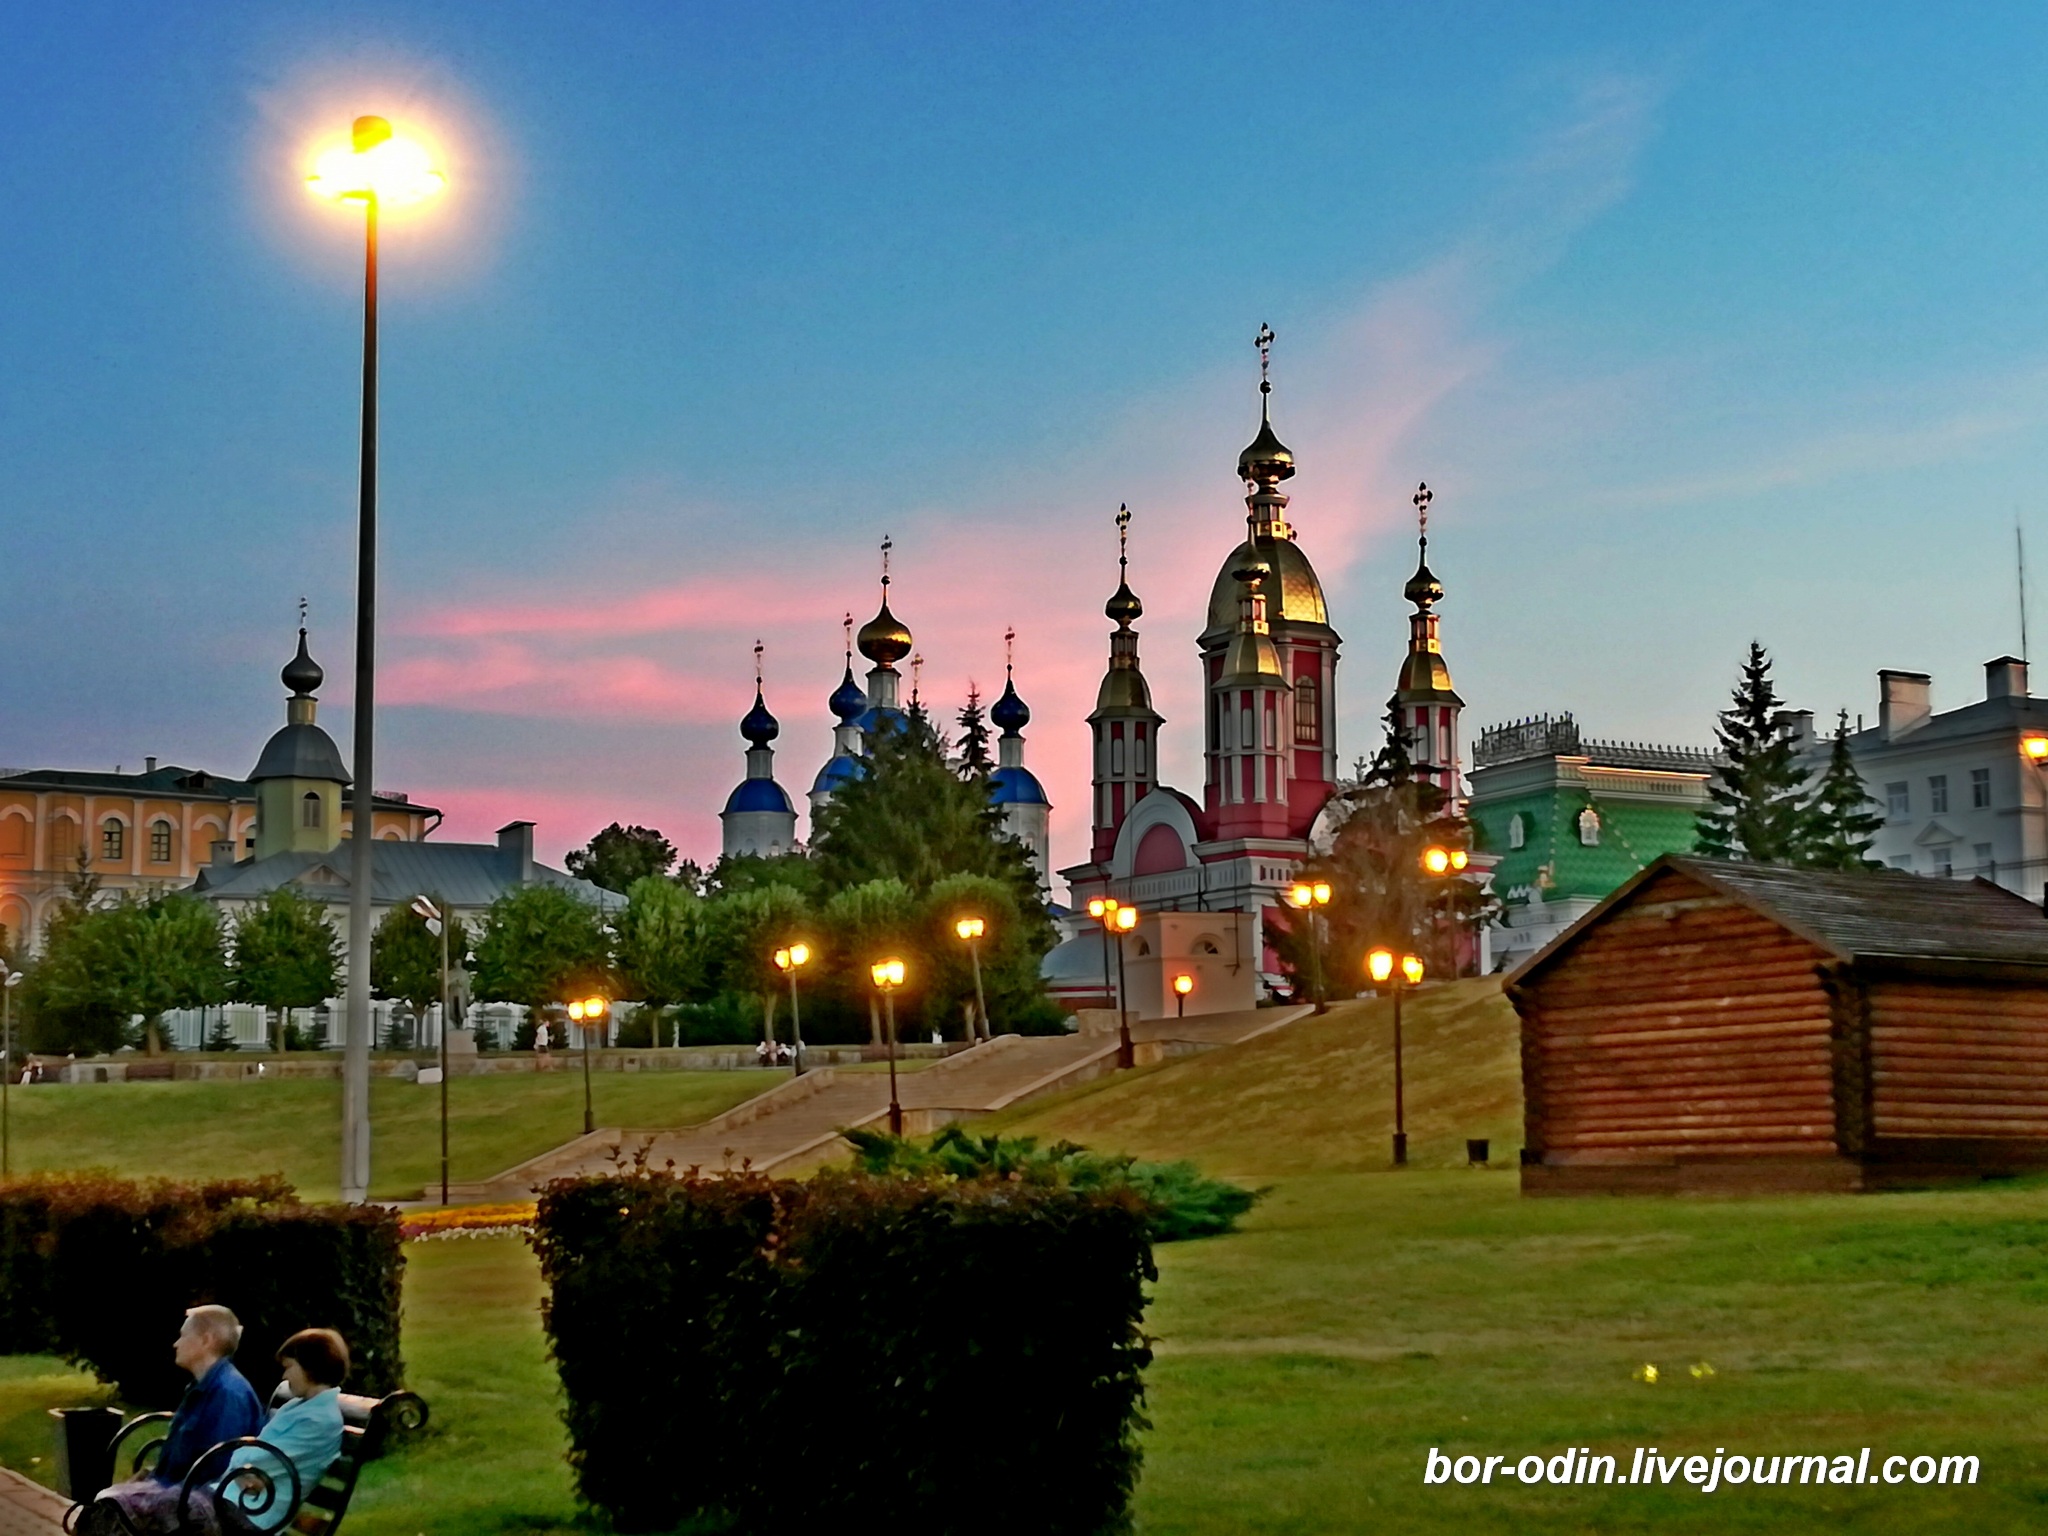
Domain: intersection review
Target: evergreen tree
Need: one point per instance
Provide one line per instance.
(287, 955)
(1392, 763)
(1842, 822)
(222, 1036)
(1759, 809)
(618, 856)
(974, 760)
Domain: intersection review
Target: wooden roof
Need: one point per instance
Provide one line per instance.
(1881, 916)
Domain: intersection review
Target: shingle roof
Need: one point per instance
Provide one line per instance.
(465, 874)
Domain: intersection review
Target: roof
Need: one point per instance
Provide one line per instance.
(1294, 595)
(1016, 786)
(843, 769)
(465, 874)
(300, 750)
(166, 783)
(757, 795)
(1884, 916)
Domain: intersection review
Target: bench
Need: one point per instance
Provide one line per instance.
(367, 1425)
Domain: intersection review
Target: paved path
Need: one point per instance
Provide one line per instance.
(799, 1122)
(29, 1509)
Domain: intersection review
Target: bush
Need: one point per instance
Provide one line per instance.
(826, 1348)
(100, 1270)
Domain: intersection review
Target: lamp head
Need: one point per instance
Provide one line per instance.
(576, 1010)
(887, 973)
(424, 908)
(1411, 969)
(782, 960)
(799, 954)
(376, 166)
(2036, 747)
(1301, 895)
(13, 979)
(1379, 965)
(1126, 919)
(1096, 907)
(1183, 984)
(970, 927)
(1460, 858)
(1436, 860)
(1321, 891)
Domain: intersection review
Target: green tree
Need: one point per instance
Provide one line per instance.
(1014, 940)
(973, 740)
(1759, 809)
(162, 952)
(1842, 822)
(541, 945)
(618, 856)
(743, 931)
(286, 955)
(864, 923)
(68, 1002)
(660, 947)
(752, 872)
(405, 956)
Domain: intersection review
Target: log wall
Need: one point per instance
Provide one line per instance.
(1955, 1060)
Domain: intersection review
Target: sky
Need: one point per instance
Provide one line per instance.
(1704, 322)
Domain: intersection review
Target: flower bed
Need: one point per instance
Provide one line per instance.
(466, 1221)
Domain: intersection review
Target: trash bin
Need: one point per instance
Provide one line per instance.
(85, 1449)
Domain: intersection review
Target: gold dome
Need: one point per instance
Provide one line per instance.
(1293, 593)
(1123, 691)
(883, 639)
(1266, 459)
(1426, 677)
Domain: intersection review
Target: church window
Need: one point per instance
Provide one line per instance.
(112, 839)
(1518, 831)
(1272, 737)
(1308, 719)
(1246, 725)
(1589, 827)
(1443, 743)
(160, 842)
(1937, 793)
(310, 809)
(1138, 753)
(1980, 788)
(1116, 754)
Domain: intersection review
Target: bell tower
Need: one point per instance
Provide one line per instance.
(1125, 725)
(1429, 705)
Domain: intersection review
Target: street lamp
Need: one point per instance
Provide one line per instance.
(1444, 861)
(1405, 972)
(1183, 984)
(377, 169)
(888, 975)
(1100, 908)
(7, 986)
(589, 1014)
(1119, 919)
(1308, 897)
(789, 961)
(436, 924)
(971, 929)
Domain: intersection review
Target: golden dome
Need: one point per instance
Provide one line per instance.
(1425, 675)
(883, 639)
(1266, 459)
(1293, 594)
(1123, 691)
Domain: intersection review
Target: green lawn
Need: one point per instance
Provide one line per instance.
(1307, 1364)
(200, 1130)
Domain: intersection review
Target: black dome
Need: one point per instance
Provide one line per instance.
(1010, 713)
(302, 673)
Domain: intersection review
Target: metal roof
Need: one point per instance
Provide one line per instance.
(466, 875)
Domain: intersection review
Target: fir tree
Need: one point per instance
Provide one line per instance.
(1392, 764)
(974, 759)
(1759, 809)
(1843, 825)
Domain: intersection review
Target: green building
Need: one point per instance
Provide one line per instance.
(1570, 819)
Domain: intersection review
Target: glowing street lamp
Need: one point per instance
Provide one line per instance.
(436, 924)
(1183, 984)
(971, 930)
(789, 961)
(1445, 861)
(1118, 919)
(588, 1014)
(9, 980)
(2036, 748)
(888, 976)
(1308, 897)
(376, 169)
(1403, 971)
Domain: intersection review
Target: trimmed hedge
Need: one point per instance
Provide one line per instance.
(770, 1356)
(100, 1270)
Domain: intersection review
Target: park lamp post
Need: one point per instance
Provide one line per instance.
(12, 979)
(1119, 919)
(888, 976)
(437, 924)
(789, 961)
(971, 929)
(379, 170)
(1309, 897)
(1183, 984)
(588, 1014)
(1406, 971)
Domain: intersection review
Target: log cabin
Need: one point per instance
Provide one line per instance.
(1717, 1026)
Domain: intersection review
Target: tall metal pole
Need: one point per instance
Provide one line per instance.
(895, 1104)
(589, 1119)
(796, 1029)
(980, 998)
(1315, 919)
(6, 1069)
(1125, 1055)
(355, 1066)
(445, 918)
(1400, 1122)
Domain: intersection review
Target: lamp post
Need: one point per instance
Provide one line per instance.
(971, 929)
(1404, 972)
(1100, 909)
(588, 1014)
(437, 924)
(888, 975)
(1183, 984)
(378, 170)
(1119, 919)
(7, 986)
(1309, 897)
(789, 961)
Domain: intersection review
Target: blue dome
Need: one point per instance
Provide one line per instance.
(1016, 786)
(1010, 714)
(847, 700)
(882, 719)
(758, 795)
(759, 726)
(843, 769)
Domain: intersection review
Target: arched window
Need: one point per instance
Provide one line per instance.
(1518, 831)
(14, 837)
(113, 840)
(311, 813)
(159, 842)
(1116, 755)
(1308, 711)
(1272, 736)
(1589, 827)
(1246, 725)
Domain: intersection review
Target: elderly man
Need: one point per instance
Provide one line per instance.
(219, 1405)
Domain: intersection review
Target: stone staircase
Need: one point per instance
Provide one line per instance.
(798, 1123)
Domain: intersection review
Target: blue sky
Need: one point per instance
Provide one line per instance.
(1705, 322)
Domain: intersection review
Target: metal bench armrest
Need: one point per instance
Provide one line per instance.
(194, 1480)
(140, 1421)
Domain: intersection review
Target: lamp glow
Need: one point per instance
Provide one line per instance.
(376, 166)
(969, 927)
(1459, 858)
(2036, 747)
(1380, 964)
(887, 973)
(1097, 907)
(1321, 891)
(1126, 918)
(1301, 895)
(1183, 984)
(576, 1010)
(1411, 968)
(1436, 860)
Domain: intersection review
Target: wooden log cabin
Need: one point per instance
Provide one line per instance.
(1723, 1026)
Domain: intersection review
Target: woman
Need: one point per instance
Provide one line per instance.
(306, 1429)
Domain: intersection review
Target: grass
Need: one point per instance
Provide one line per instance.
(202, 1130)
(1306, 1365)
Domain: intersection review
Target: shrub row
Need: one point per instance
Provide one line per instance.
(773, 1356)
(100, 1270)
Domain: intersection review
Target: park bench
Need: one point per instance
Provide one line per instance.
(367, 1424)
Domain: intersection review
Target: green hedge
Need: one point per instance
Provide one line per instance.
(770, 1356)
(100, 1270)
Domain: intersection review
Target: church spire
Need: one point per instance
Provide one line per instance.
(1428, 704)
(1124, 723)
(1266, 461)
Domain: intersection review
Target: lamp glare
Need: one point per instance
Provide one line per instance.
(1380, 964)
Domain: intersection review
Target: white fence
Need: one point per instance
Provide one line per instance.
(255, 1029)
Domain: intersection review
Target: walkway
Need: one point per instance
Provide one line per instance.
(798, 1124)
(29, 1509)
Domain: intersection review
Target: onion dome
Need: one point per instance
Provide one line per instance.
(302, 673)
(838, 772)
(1015, 785)
(1123, 606)
(759, 727)
(1423, 589)
(758, 795)
(847, 701)
(883, 639)
(1009, 714)
(1266, 459)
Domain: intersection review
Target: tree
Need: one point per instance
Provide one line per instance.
(1759, 809)
(743, 929)
(68, 1003)
(1842, 824)
(876, 920)
(541, 945)
(974, 759)
(752, 872)
(618, 856)
(1014, 941)
(659, 942)
(287, 955)
(163, 952)
(405, 956)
